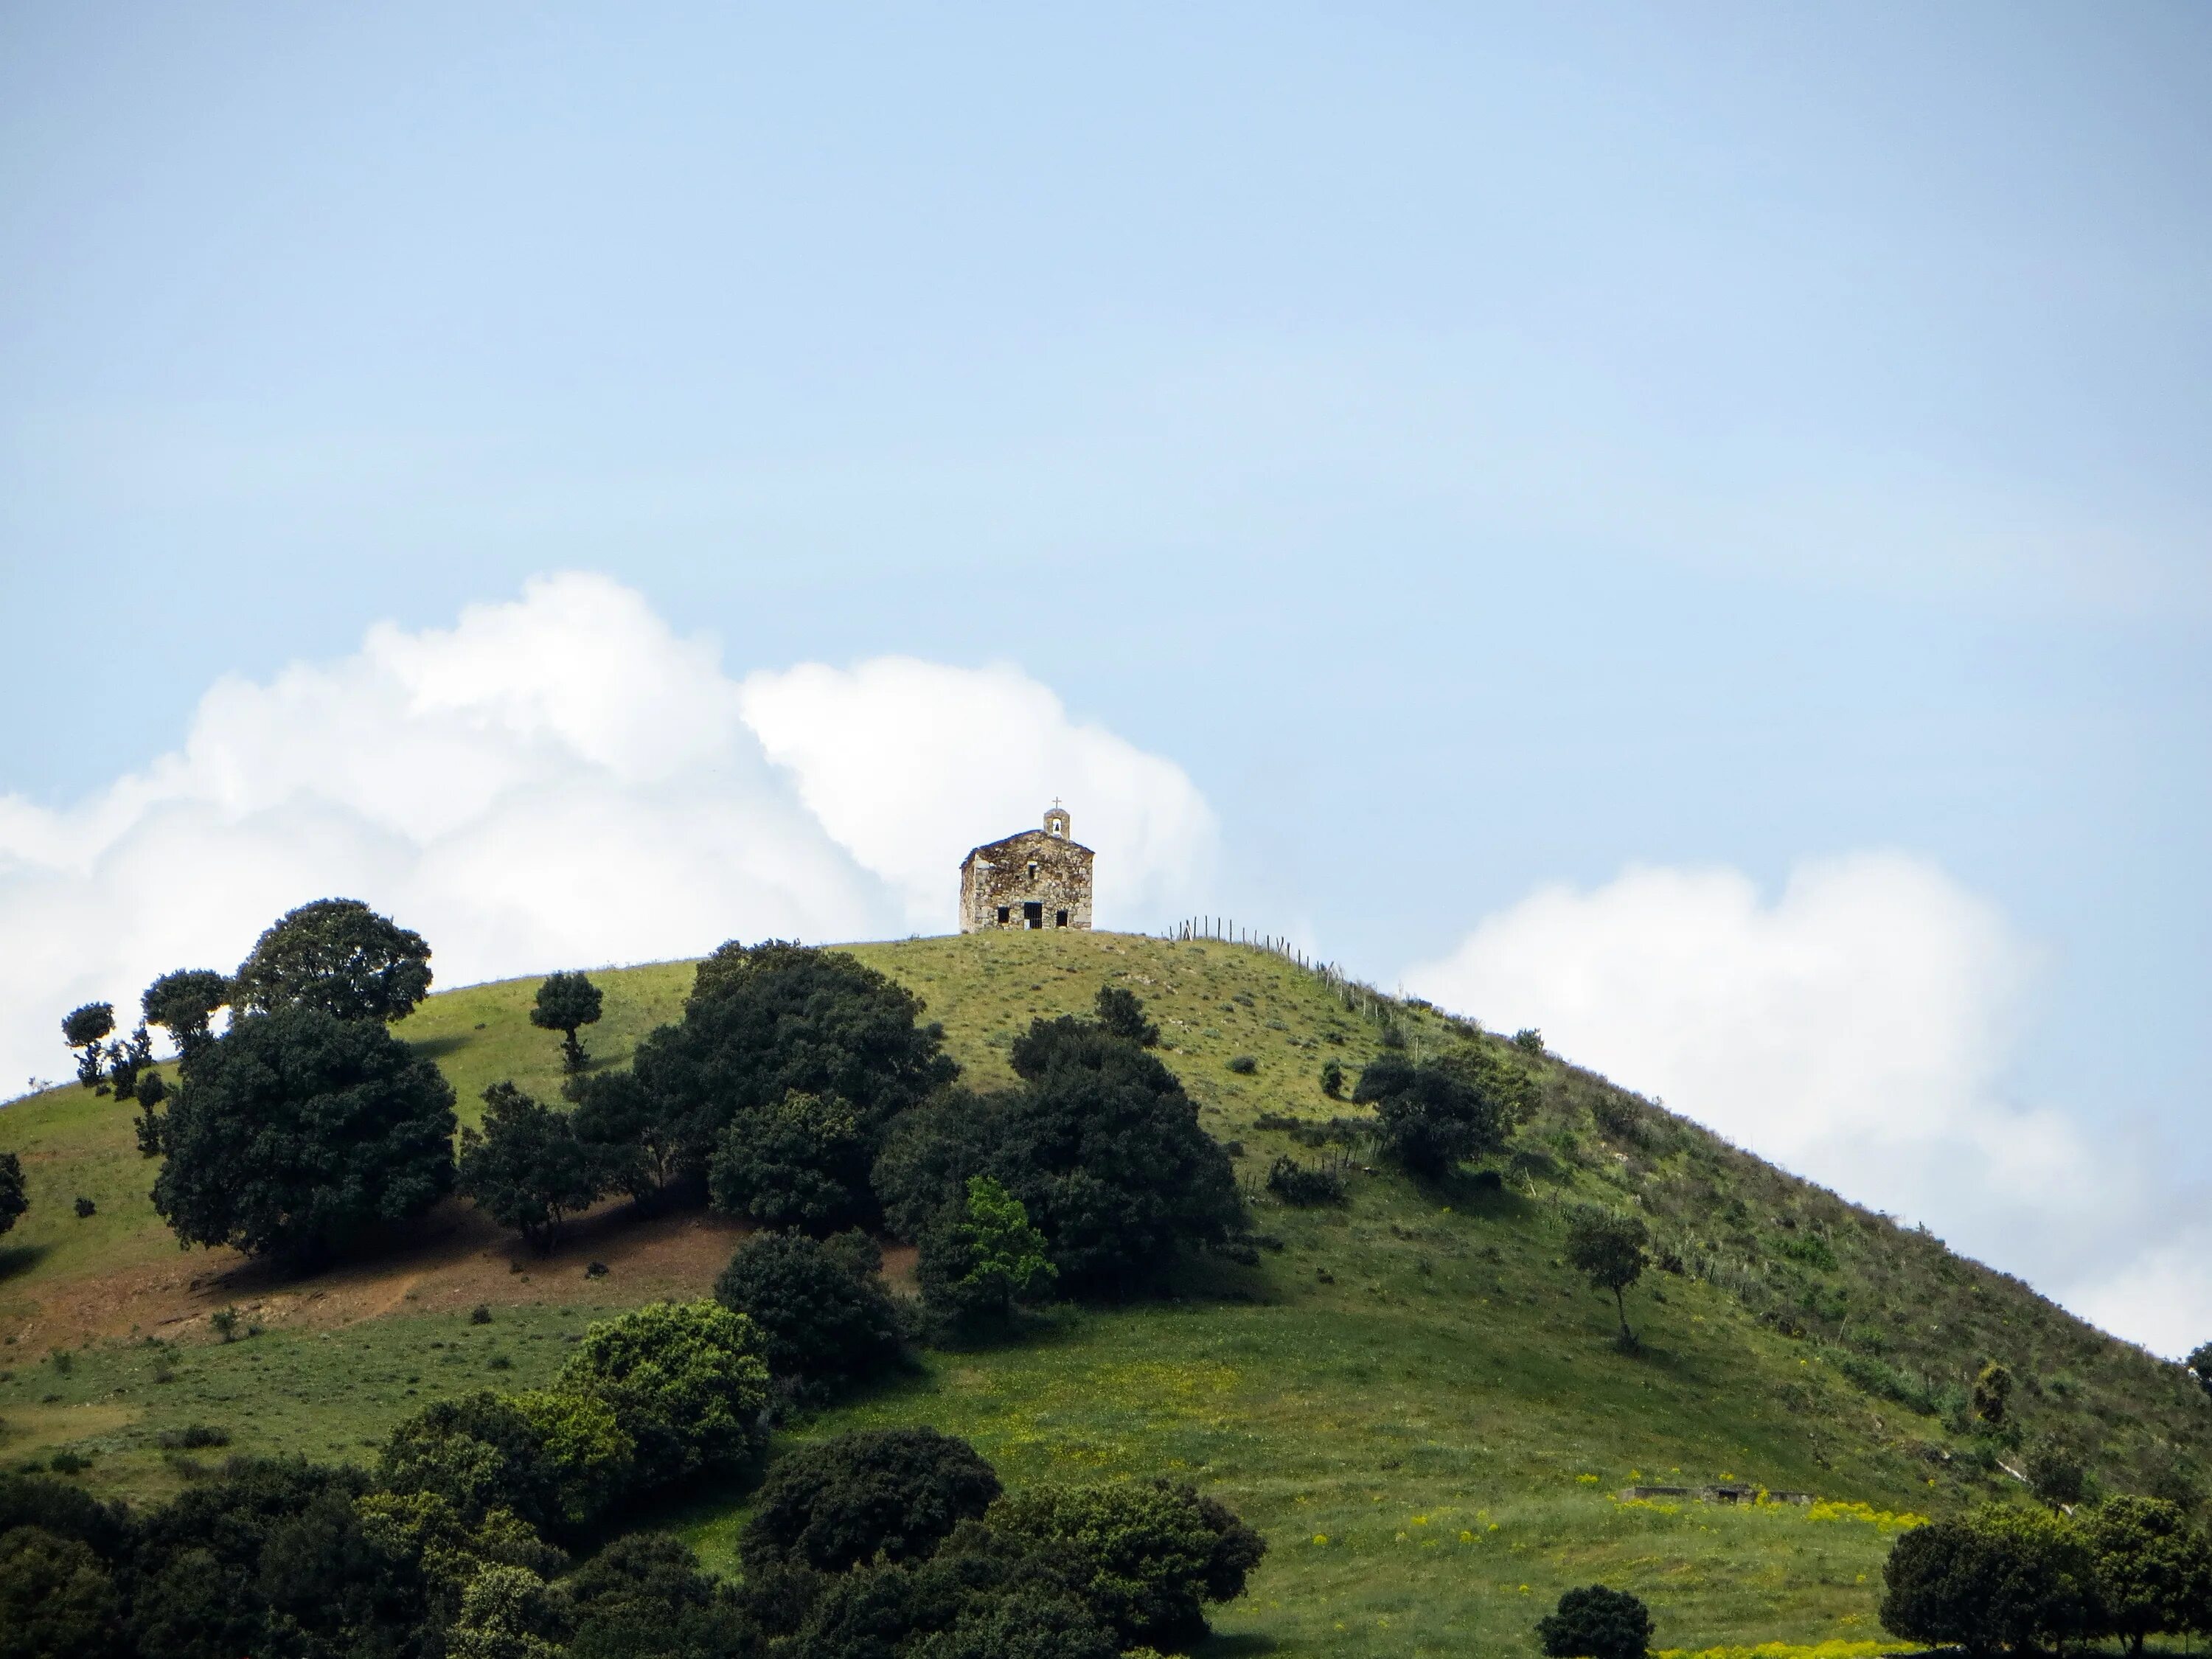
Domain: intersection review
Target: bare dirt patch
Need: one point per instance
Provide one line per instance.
(453, 1257)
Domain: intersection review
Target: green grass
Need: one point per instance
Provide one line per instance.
(1413, 1379)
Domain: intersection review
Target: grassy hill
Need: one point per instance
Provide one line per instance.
(1420, 1408)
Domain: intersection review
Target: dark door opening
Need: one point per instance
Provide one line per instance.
(1033, 913)
(1059, 918)
(1006, 915)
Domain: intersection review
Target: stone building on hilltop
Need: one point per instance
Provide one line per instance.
(1038, 879)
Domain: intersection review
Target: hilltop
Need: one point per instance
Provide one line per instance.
(1420, 1407)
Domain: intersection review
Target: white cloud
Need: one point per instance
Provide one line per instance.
(557, 781)
(1857, 1029)
(904, 760)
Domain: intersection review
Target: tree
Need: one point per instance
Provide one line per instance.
(296, 1130)
(1123, 1017)
(338, 955)
(1992, 1393)
(764, 1021)
(1596, 1623)
(587, 1456)
(1431, 1118)
(2056, 1470)
(184, 1004)
(2008, 1577)
(650, 1144)
(1612, 1251)
(86, 1030)
(480, 1452)
(1153, 1552)
(57, 1598)
(528, 1169)
(645, 1597)
(684, 1378)
(1332, 1078)
(893, 1493)
(128, 1060)
(508, 1612)
(2152, 1570)
(566, 1002)
(801, 1162)
(1105, 1151)
(823, 1315)
(13, 1202)
(981, 1256)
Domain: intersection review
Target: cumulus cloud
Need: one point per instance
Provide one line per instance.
(902, 760)
(1858, 1029)
(557, 781)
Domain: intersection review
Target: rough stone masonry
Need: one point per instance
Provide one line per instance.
(1038, 879)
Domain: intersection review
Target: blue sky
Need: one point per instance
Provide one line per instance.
(1483, 449)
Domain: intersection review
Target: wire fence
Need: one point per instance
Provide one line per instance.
(1357, 995)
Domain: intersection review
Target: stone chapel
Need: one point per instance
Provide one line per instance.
(1038, 879)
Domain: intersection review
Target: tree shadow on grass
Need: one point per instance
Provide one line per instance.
(1235, 1645)
(20, 1258)
(438, 1047)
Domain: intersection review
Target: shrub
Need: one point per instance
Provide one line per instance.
(1332, 1078)
(85, 1209)
(528, 1169)
(1528, 1040)
(224, 1323)
(194, 1437)
(802, 1161)
(1294, 1183)
(2009, 1577)
(981, 1256)
(1992, 1393)
(1151, 1553)
(685, 1379)
(1429, 1118)
(481, 1314)
(1244, 1065)
(893, 1493)
(823, 1315)
(1596, 1623)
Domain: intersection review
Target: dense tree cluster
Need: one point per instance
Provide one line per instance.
(900, 1543)
(1099, 1145)
(2019, 1578)
(897, 1544)
(764, 1023)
